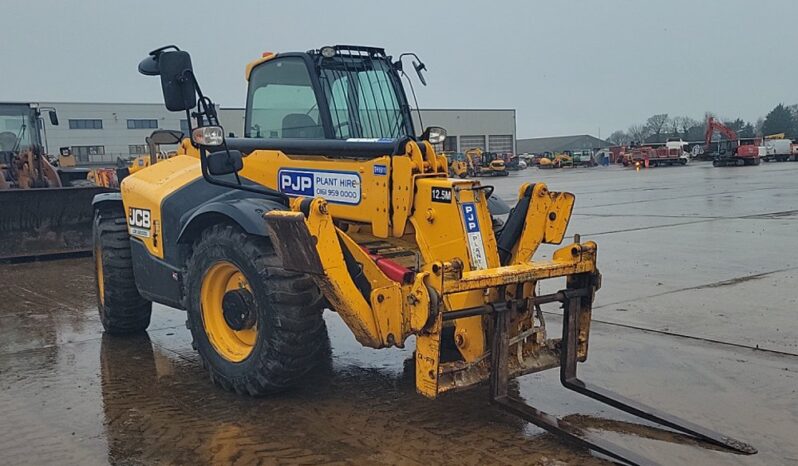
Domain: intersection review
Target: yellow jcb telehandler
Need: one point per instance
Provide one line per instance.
(154, 154)
(332, 201)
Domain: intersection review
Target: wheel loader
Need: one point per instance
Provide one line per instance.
(331, 200)
(45, 208)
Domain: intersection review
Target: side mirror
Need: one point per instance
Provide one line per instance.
(177, 80)
(225, 162)
(419, 68)
(166, 136)
(149, 66)
(53, 117)
(177, 76)
(434, 134)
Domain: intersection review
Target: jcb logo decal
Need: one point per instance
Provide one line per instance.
(139, 221)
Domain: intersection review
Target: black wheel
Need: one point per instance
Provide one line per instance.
(122, 309)
(715, 163)
(258, 328)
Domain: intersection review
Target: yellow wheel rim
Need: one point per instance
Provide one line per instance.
(233, 345)
(98, 270)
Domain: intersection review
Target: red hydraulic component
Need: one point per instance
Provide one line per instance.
(392, 269)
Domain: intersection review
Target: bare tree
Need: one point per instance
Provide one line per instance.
(638, 133)
(673, 126)
(619, 138)
(656, 123)
(686, 122)
(680, 125)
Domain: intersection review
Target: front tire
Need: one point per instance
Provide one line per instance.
(258, 329)
(122, 308)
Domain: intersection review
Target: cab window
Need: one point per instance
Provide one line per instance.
(281, 102)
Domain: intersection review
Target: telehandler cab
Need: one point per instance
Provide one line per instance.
(331, 201)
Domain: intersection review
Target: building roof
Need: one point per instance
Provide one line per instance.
(559, 144)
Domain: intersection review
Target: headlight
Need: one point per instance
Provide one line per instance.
(434, 134)
(327, 52)
(208, 136)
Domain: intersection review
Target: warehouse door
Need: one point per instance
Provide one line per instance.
(470, 142)
(501, 143)
(450, 144)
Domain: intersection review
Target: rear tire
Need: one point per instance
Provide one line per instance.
(284, 337)
(122, 309)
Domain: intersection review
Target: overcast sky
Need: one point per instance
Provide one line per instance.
(567, 67)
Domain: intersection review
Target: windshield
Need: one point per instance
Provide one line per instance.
(352, 95)
(17, 127)
(362, 95)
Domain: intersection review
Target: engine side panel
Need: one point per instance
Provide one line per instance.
(144, 192)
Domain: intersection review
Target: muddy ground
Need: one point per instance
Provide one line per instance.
(698, 316)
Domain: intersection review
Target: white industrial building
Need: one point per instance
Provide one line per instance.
(488, 129)
(100, 133)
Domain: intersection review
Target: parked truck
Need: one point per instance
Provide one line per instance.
(778, 150)
(649, 156)
(583, 158)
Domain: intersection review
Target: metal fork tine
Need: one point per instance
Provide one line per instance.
(568, 362)
(570, 381)
(558, 427)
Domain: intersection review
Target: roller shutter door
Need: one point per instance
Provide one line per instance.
(501, 143)
(470, 142)
(450, 143)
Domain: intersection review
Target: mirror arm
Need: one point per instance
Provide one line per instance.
(268, 192)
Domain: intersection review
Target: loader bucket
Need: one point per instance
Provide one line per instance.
(37, 223)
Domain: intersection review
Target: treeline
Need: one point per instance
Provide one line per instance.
(782, 119)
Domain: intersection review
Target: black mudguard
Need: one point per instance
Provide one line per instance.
(246, 212)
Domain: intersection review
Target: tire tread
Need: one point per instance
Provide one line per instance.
(124, 310)
(297, 338)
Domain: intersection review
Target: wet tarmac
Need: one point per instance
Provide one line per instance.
(698, 315)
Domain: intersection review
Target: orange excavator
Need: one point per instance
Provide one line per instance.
(731, 151)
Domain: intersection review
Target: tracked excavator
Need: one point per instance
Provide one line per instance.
(332, 200)
(731, 151)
